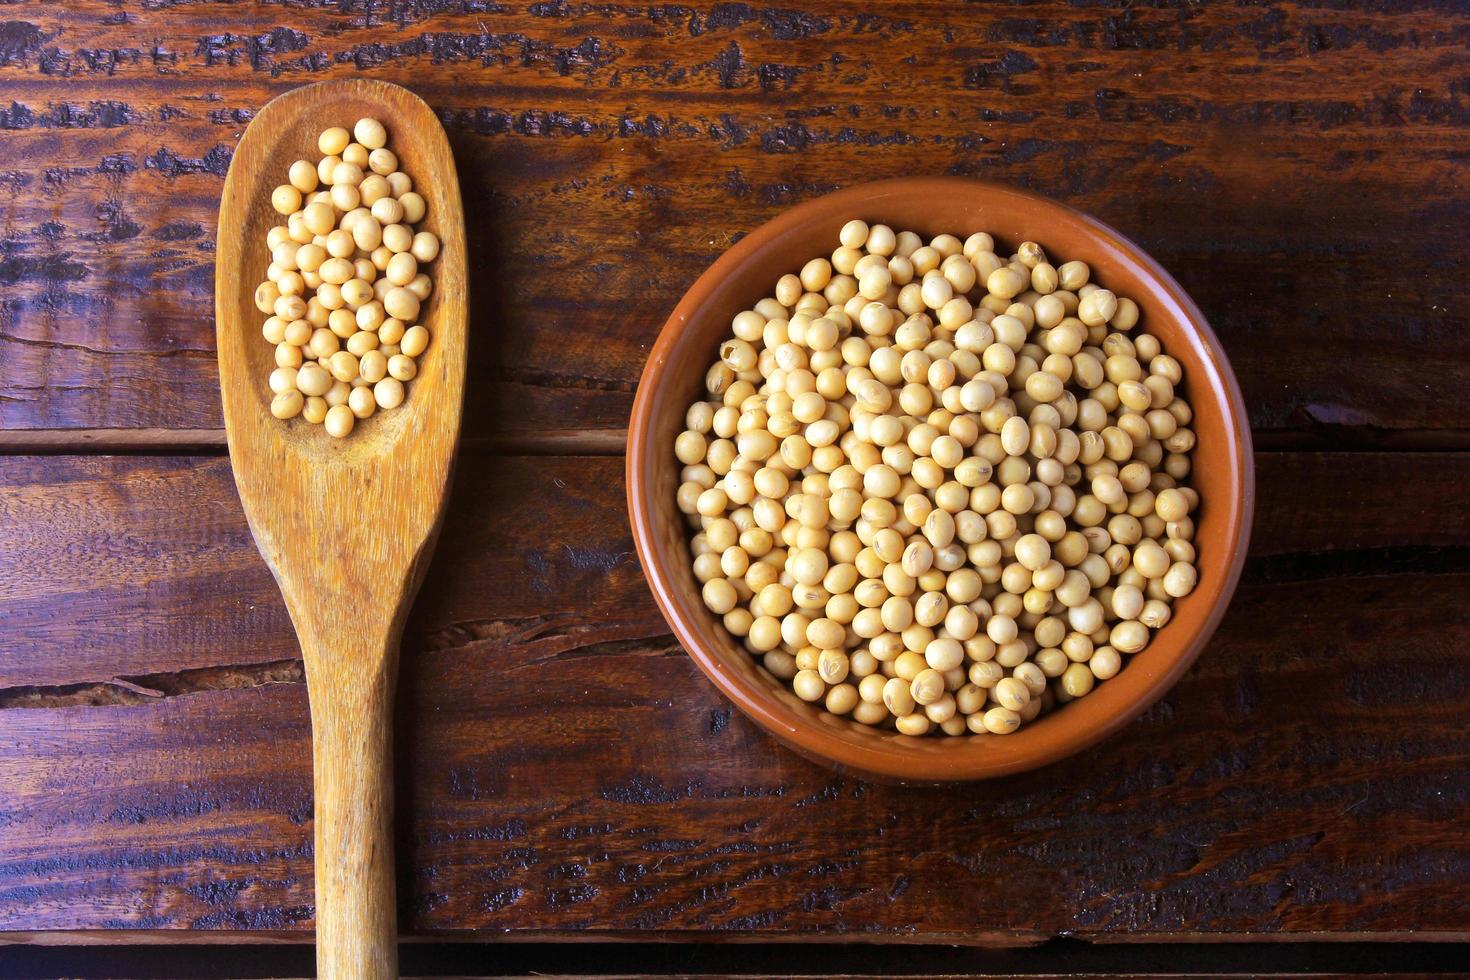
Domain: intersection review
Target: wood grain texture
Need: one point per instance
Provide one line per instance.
(346, 526)
(564, 768)
(1299, 167)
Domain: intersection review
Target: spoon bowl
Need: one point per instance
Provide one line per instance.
(346, 525)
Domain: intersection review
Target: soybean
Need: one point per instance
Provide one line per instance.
(346, 270)
(938, 487)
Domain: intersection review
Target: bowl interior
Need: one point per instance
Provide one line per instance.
(687, 346)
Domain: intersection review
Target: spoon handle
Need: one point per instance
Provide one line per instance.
(352, 750)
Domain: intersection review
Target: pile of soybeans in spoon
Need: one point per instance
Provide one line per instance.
(938, 490)
(346, 283)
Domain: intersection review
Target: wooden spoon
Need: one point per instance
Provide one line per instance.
(346, 525)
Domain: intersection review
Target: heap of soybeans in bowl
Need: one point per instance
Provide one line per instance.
(938, 489)
(345, 284)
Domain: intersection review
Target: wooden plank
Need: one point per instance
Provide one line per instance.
(442, 958)
(1300, 169)
(565, 769)
(140, 570)
(144, 554)
(614, 791)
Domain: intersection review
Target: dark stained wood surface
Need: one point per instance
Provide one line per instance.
(564, 768)
(761, 961)
(1299, 167)
(140, 568)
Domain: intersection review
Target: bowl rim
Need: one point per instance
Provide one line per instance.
(893, 757)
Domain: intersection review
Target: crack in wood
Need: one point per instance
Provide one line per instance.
(1350, 563)
(83, 348)
(141, 689)
(562, 380)
(561, 636)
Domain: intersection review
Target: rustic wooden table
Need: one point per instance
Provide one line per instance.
(564, 770)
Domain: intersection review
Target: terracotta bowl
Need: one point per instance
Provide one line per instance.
(673, 377)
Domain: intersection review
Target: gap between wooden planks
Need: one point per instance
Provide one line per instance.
(612, 442)
(185, 442)
(990, 940)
